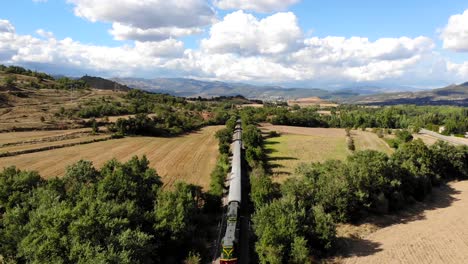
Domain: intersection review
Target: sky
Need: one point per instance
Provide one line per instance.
(294, 43)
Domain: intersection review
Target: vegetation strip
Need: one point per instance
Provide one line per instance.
(26, 151)
(45, 139)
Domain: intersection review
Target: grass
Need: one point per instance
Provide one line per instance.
(191, 157)
(367, 140)
(287, 151)
(297, 145)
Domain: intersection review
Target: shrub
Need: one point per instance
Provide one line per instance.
(350, 144)
(404, 135)
(324, 228)
(273, 134)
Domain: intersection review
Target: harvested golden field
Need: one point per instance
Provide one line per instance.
(191, 157)
(39, 145)
(12, 137)
(434, 231)
(301, 144)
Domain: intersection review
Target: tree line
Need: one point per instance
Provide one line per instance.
(297, 220)
(453, 119)
(118, 214)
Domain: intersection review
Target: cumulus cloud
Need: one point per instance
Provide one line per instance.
(455, 33)
(244, 34)
(241, 48)
(70, 54)
(123, 32)
(6, 27)
(230, 67)
(264, 6)
(458, 69)
(147, 20)
(44, 34)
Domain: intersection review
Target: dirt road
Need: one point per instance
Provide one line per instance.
(453, 140)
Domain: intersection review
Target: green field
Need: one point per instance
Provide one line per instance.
(297, 145)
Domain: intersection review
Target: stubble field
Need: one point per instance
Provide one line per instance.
(434, 231)
(190, 157)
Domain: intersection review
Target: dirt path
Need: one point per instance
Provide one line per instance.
(437, 234)
(453, 140)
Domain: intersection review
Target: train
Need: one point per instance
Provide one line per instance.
(230, 240)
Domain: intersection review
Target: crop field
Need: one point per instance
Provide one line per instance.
(190, 157)
(430, 232)
(12, 137)
(300, 144)
(368, 140)
(26, 111)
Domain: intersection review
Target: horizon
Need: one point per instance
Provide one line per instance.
(292, 44)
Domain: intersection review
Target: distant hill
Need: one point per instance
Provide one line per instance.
(206, 89)
(450, 95)
(103, 84)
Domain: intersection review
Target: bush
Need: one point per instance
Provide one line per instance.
(350, 144)
(324, 228)
(273, 134)
(262, 188)
(404, 136)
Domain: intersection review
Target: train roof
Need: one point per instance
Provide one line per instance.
(235, 175)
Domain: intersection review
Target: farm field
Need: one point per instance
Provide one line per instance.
(430, 232)
(191, 157)
(26, 111)
(301, 144)
(368, 140)
(84, 138)
(12, 137)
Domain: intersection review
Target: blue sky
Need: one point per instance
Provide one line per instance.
(288, 42)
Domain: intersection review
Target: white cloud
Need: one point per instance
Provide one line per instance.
(230, 67)
(147, 20)
(458, 69)
(44, 34)
(264, 6)
(244, 34)
(455, 33)
(6, 27)
(242, 48)
(123, 32)
(70, 54)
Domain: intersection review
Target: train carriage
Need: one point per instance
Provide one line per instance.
(229, 244)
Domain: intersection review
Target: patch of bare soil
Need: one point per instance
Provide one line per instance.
(434, 231)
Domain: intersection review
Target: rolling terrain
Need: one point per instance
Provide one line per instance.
(190, 157)
(451, 95)
(207, 89)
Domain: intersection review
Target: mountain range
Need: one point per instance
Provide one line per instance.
(372, 95)
(195, 88)
(450, 95)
